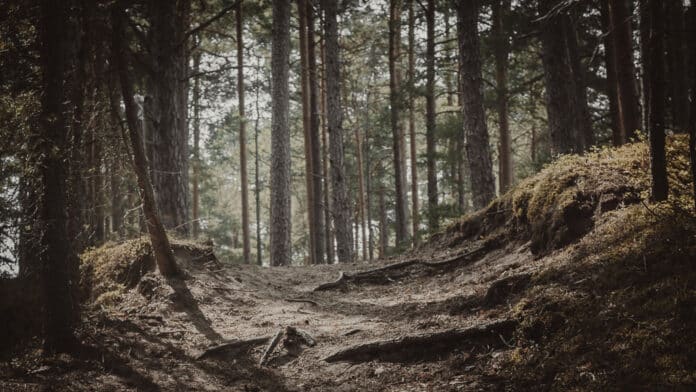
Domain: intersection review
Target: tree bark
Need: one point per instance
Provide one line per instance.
(325, 164)
(361, 190)
(383, 227)
(415, 210)
(676, 65)
(431, 149)
(168, 23)
(161, 247)
(281, 223)
(340, 205)
(50, 147)
(306, 122)
(257, 190)
(396, 101)
(691, 17)
(501, 8)
(318, 206)
(655, 13)
(608, 33)
(627, 93)
(246, 241)
(196, 226)
(478, 150)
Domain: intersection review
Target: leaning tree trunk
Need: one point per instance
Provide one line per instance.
(161, 248)
(431, 149)
(281, 223)
(246, 242)
(50, 147)
(656, 78)
(340, 206)
(501, 52)
(396, 100)
(169, 91)
(478, 152)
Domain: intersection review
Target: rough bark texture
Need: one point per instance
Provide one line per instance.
(306, 122)
(161, 248)
(501, 53)
(246, 242)
(56, 258)
(691, 17)
(196, 162)
(656, 76)
(568, 124)
(431, 149)
(627, 92)
(478, 151)
(318, 205)
(339, 193)
(281, 224)
(329, 242)
(396, 101)
(415, 210)
(168, 24)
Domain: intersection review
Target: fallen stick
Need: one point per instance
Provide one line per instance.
(233, 346)
(271, 346)
(302, 300)
(419, 347)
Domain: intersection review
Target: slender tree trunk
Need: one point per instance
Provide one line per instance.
(478, 150)
(318, 207)
(168, 23)
(325, 164)
(196, 226)
(627, 93)
(50, 145)
(368, 183)
(246, 241)
(161, 248)
(431, 149)
(645, 61)
(383, 227)
(257, 189)
(691, 17)
(281, 224)
(584, 131)
(501, 8)
(415, 210)
(340, 205)
(396, 100)
(361, 190)
(608, 33)
(676, 62)
(97, 192)
(656, 76)
(306, 122)
(117, 210)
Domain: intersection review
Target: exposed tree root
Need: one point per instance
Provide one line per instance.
(427, 346)
(271, 346)
(500, 290)
(232, 347)
(392, 272)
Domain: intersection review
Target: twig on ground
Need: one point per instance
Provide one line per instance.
(302, 300)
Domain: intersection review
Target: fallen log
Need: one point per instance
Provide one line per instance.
(426, 346)
(232, 347)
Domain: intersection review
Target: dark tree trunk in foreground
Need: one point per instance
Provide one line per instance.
(656, 80)
(317, 199)
(161, 248)
(340, 206)
(691, 18)
(626, 84)
(50, 144)
(396, 99)
(281, 224)
(412, 122)
(168, 24)
(433, 218)
(569, 126)
(501, 53)
(246, 242)
(329, 242)
(478, 150)
(676, 65)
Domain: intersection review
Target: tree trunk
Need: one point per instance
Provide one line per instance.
(584, 131)
(306, 122)
(246, 241)
(656, 78)
(383, 227)
(396, 100)
(676, 61)
(361, 190)
(691, 17)
(196, 172)
(431, 149)
(627, 94)
(368, 183)
(340, 205)
(281, 219)
(318, 206)
(50, 147)
(478, 150)
(168, 23)
(567, 127)
(501, 8)
(161, 248)
(415, 210)
(325, 164)
(257, 190)
(608, 33)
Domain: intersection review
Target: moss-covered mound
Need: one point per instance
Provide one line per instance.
(562, 203)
